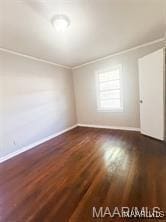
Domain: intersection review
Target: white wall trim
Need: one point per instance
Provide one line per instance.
(83, 64)
(33, 58)
(110, 127)
(34, 145)
(119, 53)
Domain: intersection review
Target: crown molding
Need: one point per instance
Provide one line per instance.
(119, 53)
(83, 64)
(33, 58)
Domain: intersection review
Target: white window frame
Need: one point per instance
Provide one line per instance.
(99, 108)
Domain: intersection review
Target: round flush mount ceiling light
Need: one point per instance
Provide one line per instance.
(60, 22)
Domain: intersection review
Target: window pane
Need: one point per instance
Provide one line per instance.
(113, 94)
(103, 77)
(110, 85)
(106, 104)
(109, 92)
(107, 76)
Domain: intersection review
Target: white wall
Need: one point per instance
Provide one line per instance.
(85, 90)
(36, 101)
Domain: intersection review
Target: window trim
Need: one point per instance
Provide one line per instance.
(99, 109)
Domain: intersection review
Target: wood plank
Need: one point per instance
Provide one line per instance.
(62, 179)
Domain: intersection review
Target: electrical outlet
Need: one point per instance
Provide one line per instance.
(14, 142)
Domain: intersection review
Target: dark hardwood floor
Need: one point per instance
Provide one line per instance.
(62, 179)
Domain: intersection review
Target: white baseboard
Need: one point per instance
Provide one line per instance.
(109, 127)
(33, 145)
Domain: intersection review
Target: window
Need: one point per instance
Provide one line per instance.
(109, 97)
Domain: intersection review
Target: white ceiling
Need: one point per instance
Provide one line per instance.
(98, 27)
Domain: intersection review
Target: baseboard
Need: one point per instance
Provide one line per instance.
(33, 145)
(109, 127)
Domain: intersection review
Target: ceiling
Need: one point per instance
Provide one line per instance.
(98, 27)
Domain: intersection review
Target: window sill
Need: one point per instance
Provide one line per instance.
(111, 110)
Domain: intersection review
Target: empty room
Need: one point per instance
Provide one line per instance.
(82, 110)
